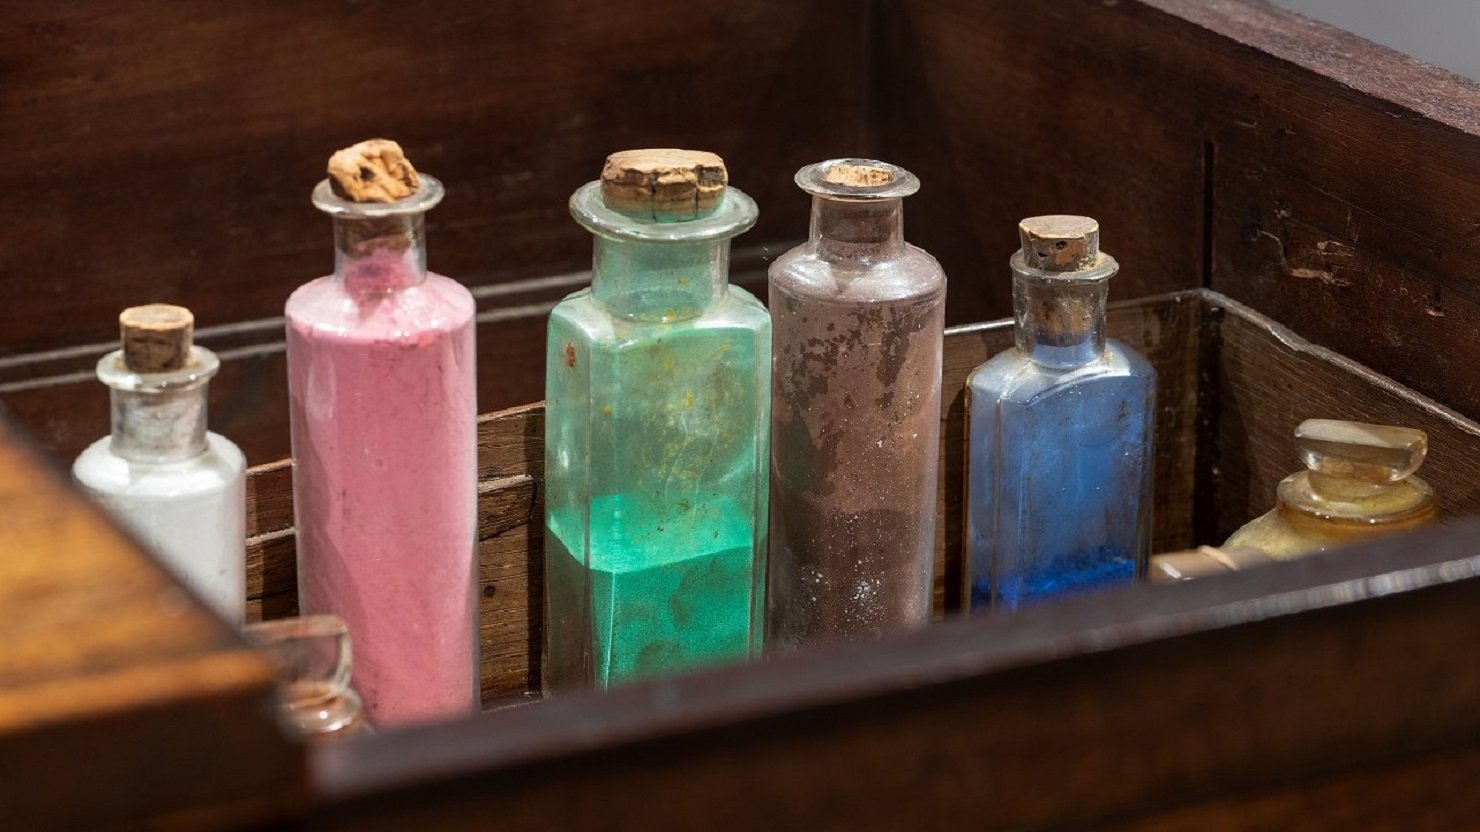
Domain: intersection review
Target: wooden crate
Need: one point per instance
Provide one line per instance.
(163, 151)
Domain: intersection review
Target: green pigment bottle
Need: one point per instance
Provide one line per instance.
(656, 415)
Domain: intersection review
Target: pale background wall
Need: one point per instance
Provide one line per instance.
(1443, 32)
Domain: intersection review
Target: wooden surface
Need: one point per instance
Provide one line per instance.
(1327, 181)
(1338, 672)
(123, 701)
(165, 151)
(1232, 386)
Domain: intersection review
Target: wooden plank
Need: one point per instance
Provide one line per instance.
(1325, 179)
(1063, 716)
(1434, 792)
(997, 109)
(1268, 380)
(104, 662)
(216, 126)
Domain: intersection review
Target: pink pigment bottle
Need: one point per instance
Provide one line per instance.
(385, 478)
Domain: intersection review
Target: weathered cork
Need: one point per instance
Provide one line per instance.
(1060, 242)
(375, 170)
(663, 183)
(858, 176)
(156, 337)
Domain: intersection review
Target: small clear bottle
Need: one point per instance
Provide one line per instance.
(859, 318)
(1060, 450)
(1358, 484)
(383, 406)
(311, 656)
(656, 419)
(178, 486)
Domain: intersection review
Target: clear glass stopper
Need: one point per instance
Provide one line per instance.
(1380, 454)
(312, 659)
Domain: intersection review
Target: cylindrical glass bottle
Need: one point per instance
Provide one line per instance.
(384, 411)
(859, 317)
(178, 486)
(655, 433)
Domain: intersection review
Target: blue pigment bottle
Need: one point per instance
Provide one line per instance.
(1059, 433)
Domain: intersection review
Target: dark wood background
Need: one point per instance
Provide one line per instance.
(164, 151)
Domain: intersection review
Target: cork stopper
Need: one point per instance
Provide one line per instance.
(156, 337)
(1060, 242)
(375, 170)
(663, 183)
(855, 174)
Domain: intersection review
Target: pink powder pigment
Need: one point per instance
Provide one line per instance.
(384, 406)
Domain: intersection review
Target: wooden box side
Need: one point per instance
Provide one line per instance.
(1324, 179)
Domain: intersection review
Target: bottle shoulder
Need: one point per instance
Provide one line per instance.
(325, 307)
(220, 467)
(801, 275)
(578, 316)
(1012, 376)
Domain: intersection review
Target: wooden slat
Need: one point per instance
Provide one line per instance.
(1327, 181)
(1434, 792)
(1063, 716)
(106, 663)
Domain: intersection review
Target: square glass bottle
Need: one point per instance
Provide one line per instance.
(1059, 433)
(657, 410)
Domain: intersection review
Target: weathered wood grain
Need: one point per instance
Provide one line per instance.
(1327, 181)
(166, 150)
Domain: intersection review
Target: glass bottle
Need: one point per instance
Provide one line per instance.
(655, 432)
(859, 317)
(1358, 484)
(1059, 451)
(178, 486)
(384, 409)
(312, 658)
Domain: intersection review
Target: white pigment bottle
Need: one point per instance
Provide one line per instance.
(178, 487)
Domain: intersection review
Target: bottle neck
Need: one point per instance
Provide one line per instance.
(377, 255)
(860, 231)
(1329, 498)
(1060, 323)
(659, 281)
(159, 417)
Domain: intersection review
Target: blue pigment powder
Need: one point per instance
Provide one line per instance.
(1075, 574)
